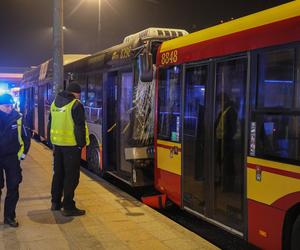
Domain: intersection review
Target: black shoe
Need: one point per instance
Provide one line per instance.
(55, 206)
(11, 222)
(73, 212)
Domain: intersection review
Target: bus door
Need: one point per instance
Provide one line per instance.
(35, 115)
(110, 122)
(30, 104)
(27, 106)
(229, 136)
(119, 105)
(125, 111)
(194, 172)
(213, 141)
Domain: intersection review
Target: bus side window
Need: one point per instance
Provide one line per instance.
(276, 79)
(276, 116)
(93, 106)
(169, 98)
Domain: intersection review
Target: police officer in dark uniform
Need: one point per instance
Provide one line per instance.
(68, 133)
(14, 145)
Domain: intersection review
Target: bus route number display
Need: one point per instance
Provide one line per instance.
(125, 53)
(121, 54)
(169, 57)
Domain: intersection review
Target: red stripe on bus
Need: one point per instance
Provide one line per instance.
(167, 147)
(263, 36)
(276, 171)
(287, 201)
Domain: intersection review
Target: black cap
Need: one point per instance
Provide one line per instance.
(6, 99)
(74, 87)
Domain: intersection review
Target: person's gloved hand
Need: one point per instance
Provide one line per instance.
(22, 157)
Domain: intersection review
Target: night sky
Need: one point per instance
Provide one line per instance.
(25, 25)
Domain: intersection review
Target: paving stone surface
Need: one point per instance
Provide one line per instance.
(114, 220)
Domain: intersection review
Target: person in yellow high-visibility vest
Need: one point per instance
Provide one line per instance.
(68, 134)
(14, 145)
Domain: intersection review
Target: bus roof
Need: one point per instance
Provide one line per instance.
(251, 22)
(44, 70)
(155, 33)
(69, 58)
(121, 53)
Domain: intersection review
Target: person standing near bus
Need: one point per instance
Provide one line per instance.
(14, 145)
(68, 134)
(226, 127)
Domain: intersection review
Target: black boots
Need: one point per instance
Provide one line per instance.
(55, 206)
(67, 212)
(11, 222)
(73, 212)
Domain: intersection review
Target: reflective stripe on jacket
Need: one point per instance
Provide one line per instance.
(21, 150)
(220, 126)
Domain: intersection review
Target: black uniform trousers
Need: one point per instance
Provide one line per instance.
(10, 165)
(66, 175)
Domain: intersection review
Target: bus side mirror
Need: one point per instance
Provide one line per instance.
(146, 67)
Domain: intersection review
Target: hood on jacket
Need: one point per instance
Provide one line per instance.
(63, 98)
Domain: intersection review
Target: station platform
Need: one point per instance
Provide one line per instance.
(114, 219)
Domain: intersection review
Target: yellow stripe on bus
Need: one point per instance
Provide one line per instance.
(271, 187)
(166, 160)
(275, 14)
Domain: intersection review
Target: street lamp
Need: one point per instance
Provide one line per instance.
(58, 47)
(99, 22)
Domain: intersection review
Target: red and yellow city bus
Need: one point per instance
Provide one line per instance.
(227, 125)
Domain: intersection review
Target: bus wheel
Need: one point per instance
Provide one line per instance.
(295, 238)
(93, 156)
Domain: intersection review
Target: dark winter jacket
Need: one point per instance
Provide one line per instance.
(9, 141)
(62, 99)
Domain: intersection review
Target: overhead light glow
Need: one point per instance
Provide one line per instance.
(3, 88)
(11, 75)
